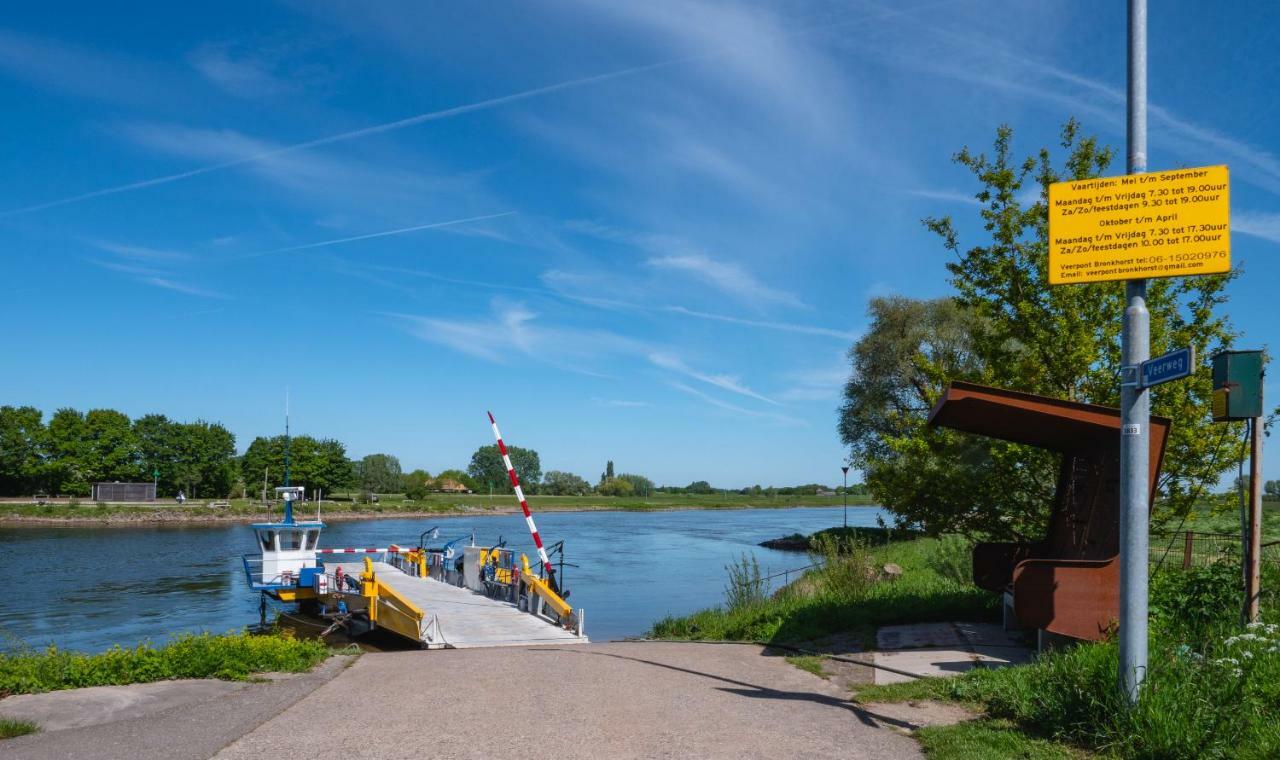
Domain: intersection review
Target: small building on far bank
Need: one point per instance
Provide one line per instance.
(117, 491)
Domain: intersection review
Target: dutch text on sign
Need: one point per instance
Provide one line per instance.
(1162, 224)
(1174, 365)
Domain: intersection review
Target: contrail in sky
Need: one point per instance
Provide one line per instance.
(384, 233)
(376, 129)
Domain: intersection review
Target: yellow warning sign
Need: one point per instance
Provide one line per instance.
(1162, 224)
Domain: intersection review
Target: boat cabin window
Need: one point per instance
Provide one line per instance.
(291, 539)
(268, 538)
(313, 538)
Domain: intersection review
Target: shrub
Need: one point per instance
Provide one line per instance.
(1186, 604)
(746, 586)
(231, 656)
(952, 558)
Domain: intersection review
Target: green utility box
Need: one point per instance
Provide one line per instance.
(1237, 385)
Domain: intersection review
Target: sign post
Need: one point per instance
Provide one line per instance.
(1135, 403)
(1163, 224)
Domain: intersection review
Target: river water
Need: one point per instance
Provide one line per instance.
(88, 588)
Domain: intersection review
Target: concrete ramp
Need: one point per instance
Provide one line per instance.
(464, 619)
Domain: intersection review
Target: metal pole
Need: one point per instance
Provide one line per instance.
(1135, 402)
(845, 470)
(1255, 520)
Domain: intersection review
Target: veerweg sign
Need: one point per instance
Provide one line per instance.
(1161, 224)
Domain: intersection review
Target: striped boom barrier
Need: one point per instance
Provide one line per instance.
(524, 505)
(393, 549)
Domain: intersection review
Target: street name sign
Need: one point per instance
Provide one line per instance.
(1136, 226)
(1174, 365)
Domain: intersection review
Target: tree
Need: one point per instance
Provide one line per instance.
(557, 483)
(1058, 341)
(699, 486)
(616, 487)
(23, 444)
(204, 459)
(96, 446)
(157, 438)
(489, 472)
(313, 464)
(640, 485)
(608, 472)
(380, 473)
(417, 484)
(456, 476)
(1272, 489)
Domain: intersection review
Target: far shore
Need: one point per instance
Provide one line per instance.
(27, 514)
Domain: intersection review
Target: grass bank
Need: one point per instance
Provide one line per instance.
(233, 656)
(244, 510)
(1212, 689)
(849, 594)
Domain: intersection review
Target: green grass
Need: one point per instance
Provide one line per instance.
(843, 597)
(988, 739)
(1228, 521)
(1212, 690)
(10, 728)
(442, 504)
(808, 663)
(233, 656)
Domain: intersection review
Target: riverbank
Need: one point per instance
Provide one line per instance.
(18, 513)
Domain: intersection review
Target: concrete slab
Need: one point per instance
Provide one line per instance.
(941, 650)
(74, 708)
(917, 635)
(933, 662)
(467, 619)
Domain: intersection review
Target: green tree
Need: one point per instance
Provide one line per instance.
(487, 469)
(457, 476)
(1058, 341)
(204, 459)
(23, 444)
(313, 464)
(417, 484)
(608, 472)
(616, 487)
(699, 486)
(557, 483)
(380, 473)
(157, 438)
(640, 485)
(1271, 489)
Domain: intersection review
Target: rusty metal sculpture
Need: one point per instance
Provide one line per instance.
(1068, 583)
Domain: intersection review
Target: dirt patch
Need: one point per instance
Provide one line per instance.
(910, 716)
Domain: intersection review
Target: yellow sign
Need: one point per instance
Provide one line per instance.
(1162, 224)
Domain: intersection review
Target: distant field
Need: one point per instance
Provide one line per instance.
(242, 509)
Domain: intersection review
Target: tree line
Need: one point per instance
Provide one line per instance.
(75, 449)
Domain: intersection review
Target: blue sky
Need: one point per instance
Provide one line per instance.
(644, 232)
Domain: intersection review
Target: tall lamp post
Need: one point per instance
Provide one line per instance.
(845, 493)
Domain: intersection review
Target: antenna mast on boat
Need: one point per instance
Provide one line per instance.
(288, 500)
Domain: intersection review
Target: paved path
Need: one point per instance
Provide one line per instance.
(193, 722)
(945, 649)
(615, 700)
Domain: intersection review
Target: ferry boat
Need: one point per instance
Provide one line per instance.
(454, 595)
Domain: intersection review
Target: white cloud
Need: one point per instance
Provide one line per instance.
(1256, 224)
(238, 72)
(949, 196)
(729, 383)
(820, 384)
(182, 287)
(383, 233)
(727, 277)
(721, 404)
(140, 253)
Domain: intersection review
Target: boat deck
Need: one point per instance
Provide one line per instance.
(466, 619)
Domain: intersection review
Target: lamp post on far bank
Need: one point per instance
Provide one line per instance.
(845, 493)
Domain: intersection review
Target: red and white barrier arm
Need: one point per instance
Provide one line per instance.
(524, 505)
(393, 549)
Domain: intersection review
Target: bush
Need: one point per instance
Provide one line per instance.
(231, 656)
(952, 558)
(1186, 604)
(746, 586)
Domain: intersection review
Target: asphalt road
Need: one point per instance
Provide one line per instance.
(615, 700)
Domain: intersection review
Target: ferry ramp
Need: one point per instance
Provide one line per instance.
(459, 618)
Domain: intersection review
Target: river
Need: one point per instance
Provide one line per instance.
(88, 588)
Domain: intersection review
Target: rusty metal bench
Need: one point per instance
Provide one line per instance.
(1067, 583)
